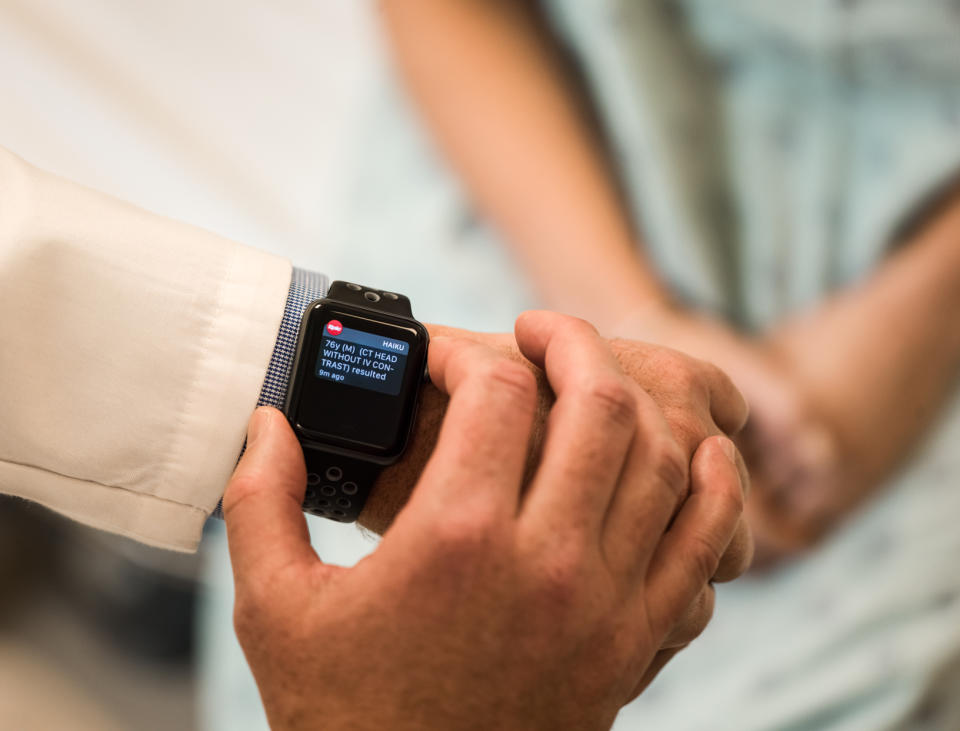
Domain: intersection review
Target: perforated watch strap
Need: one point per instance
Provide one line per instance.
(373, 299)
(337, 487)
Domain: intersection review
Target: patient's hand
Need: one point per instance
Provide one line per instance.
(688, 391)
(696, 399)
(789, 448)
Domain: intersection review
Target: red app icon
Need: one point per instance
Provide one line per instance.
(334, 327)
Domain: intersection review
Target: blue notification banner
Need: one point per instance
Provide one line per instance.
(362, 359)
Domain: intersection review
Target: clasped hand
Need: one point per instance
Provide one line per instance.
(495, 602)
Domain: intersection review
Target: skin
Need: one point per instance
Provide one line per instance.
(875, 363)
(497, 598)
(682, 387)
(839, 396)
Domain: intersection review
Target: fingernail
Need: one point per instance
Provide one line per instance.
(258, 423)
(729, 449)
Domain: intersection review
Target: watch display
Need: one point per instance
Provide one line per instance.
(362, 359)
(357, 381)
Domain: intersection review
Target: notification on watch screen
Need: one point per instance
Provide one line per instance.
(362, 359)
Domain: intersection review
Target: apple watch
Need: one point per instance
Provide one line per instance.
(359, 365)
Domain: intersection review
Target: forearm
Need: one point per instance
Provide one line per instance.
(133, 348)
(880, 359)
(491, 87)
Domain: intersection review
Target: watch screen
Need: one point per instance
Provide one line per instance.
(357, 380)
(362, 359)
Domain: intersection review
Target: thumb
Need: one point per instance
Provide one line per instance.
(266, 529)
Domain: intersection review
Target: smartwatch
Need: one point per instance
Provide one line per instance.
(360, 362)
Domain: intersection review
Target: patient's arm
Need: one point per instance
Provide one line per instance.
(492, 88)
(876, 362)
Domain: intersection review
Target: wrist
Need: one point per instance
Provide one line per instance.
(394, 485)
(396, 482)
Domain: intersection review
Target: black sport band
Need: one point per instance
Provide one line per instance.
(338, 486)
(373, 299)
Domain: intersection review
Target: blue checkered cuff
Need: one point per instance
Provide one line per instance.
(305, 287)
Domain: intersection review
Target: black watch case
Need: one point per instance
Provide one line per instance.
(356, 380)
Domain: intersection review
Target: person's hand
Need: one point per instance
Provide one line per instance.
(488, 605)
(790, 450)
(681, 385)
(685, 389)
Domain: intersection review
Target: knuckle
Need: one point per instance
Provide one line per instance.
(673, 363)
(467, 530)
(614, 398)
(512, 377)
(504, 378)
(689, 376)
(560, 577)
(689, 427)
(242, 486)
(669, 464)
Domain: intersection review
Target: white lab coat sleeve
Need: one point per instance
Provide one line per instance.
(132, 352)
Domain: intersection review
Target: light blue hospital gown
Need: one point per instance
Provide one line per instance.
(761, 190)
(761, 186)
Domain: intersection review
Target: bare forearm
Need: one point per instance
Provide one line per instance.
(879, 360)
(492, 90)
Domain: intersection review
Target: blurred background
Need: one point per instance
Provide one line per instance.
(773, 155)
